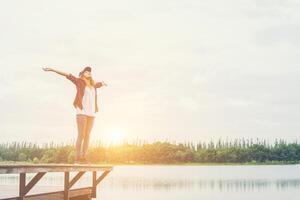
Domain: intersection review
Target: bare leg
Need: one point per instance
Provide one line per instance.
(81, 127)
(89, 126)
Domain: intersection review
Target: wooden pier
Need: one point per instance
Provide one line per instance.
(86, 193)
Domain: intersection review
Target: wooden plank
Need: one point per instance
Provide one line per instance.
(80, 192)
(35, 168)
(33, 181)
(75, 179)
(57, 195)
(103, 175)
(49, 196)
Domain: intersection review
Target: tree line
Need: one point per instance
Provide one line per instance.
(235, 151)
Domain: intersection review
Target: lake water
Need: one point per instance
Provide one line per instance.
(180, 183)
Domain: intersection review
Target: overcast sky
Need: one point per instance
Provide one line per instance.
(176, 70)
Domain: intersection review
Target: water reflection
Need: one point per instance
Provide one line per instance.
(166, 184)
(215, 185)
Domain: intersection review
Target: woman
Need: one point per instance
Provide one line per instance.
(86, 107)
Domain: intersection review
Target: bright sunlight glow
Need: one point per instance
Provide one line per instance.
(116, 137)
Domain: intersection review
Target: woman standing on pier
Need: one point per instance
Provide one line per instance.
(86, 107)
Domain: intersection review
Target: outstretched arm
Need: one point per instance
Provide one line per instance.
(48, 69)
(67, 75)
(100, 84)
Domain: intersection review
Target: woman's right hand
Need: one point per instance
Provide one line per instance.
(47, 69)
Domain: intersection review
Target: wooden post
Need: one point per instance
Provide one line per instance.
(22, 184)
(66, 187)
(94, 186)
(96, 181)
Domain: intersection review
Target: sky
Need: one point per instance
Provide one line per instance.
(190, 70)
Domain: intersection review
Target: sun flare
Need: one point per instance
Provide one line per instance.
(116, 137)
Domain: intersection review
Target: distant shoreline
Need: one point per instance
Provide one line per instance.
(203, 164)
(237, 152)
(168, 164)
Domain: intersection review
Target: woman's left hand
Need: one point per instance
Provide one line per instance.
(103, 83)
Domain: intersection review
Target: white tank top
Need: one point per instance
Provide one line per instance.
(88, 102)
